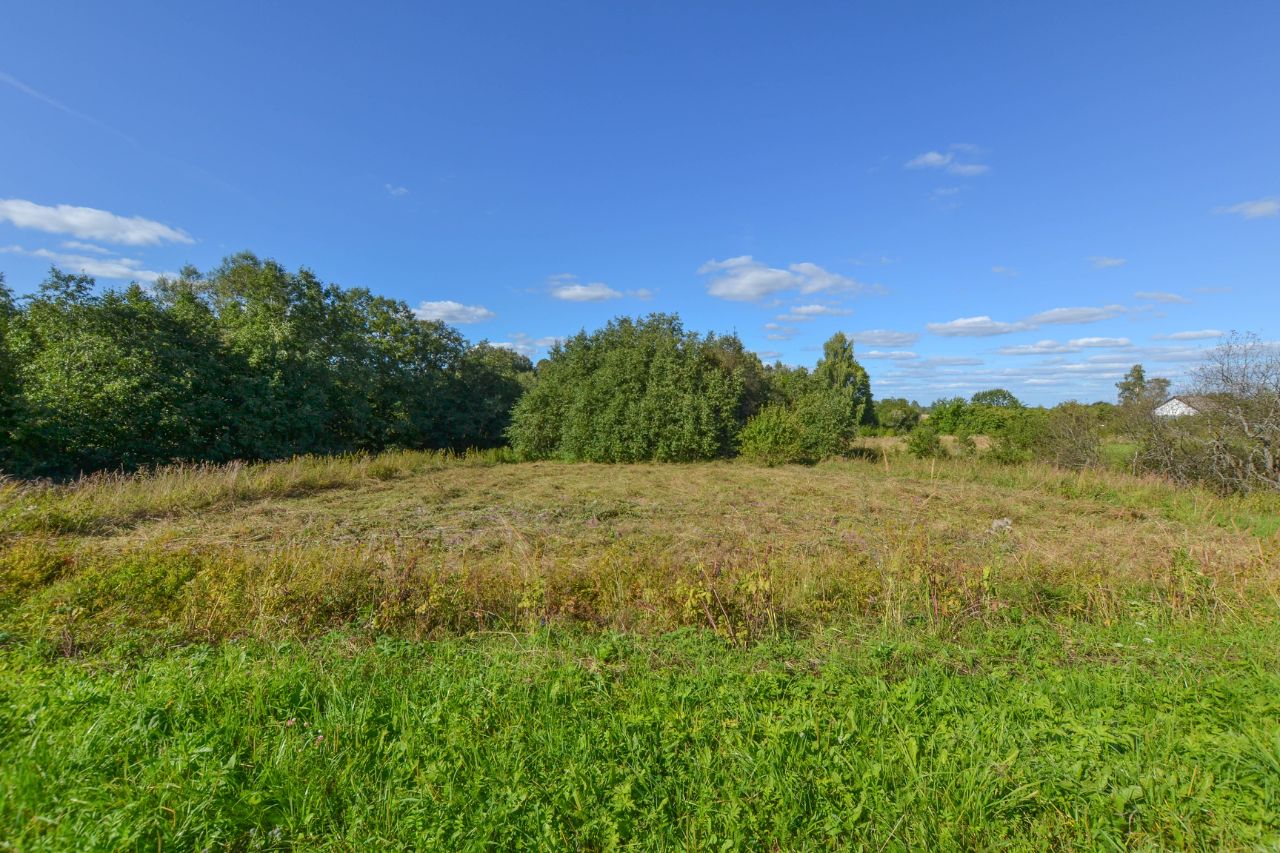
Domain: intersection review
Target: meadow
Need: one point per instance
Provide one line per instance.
(435, 651)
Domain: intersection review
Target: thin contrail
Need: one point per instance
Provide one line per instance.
(58, 105)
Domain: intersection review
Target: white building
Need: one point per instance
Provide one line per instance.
(1178, 407)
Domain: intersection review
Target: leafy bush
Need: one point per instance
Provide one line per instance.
(632, 391)
(925, 442)
(897, 416)
(774, 436)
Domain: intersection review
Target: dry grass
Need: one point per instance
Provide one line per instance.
(425, 543)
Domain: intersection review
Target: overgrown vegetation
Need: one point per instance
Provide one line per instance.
(426, 649)
(248, 362)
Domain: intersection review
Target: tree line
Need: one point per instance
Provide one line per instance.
(249, 361)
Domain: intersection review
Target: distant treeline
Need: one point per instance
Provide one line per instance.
(248, 362)
(252, 361)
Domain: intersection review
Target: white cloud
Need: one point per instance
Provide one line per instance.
(527, 345)
(1047, 347)
(1161, 296)
(930, 160)
(974, 327)
(1256, 209)
(1009, 271)
(1103, 262)
(643, 293)
(744, 279)
(801, 313)
(983, 326)
(947, 161)
(886, 338)
(768, 354)
(593, 292)
(121, 269)
(449, 311)
(89, 223)
(1101, 342)
(1193, 335)
(891, 355)
(1068, 316)
(395, 190)
(77, 246)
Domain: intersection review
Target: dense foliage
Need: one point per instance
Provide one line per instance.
(250, 361)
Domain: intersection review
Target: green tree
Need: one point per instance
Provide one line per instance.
(114, 380)
(838, 371)
(632, 391)
(997, 397)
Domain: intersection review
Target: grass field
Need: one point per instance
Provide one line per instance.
(420, 651)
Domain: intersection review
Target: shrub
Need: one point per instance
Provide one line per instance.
(774, 437)
(924, 442)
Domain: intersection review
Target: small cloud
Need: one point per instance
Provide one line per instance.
(77, 246)
(803, 313)
(1193, 335)
(643, 293)
(892, 355)
(1040, 348)
(1161, 296)
(593, 292)
(974, 327)
(744, 279)
(396, 191)
(886, 338)
(1102, 262)
(89, 223)
(449, 311)
(527, 345)
(1212, 289)
(983, 326)
(1256, 209)
(1009, 271)
(768, 354)
(1071, 316)
(947, 161)
(120, 269)
(1101, 342)
(930, 160)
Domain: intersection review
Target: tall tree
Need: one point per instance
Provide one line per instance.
(839, 371)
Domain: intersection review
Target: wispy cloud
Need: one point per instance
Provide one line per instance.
(744, 279)
(1191, 335)
(119, 269)
(1009, 271)
(89, 223)
(1257, 209)
(527, 345)
(1102, 262)
(592, 292)
(395, 190)
(949, 162)
(803, 313)
(891, 355)
(1162, 296)
(77, 246)
(984, 326)
(885, 338)
(449, 311)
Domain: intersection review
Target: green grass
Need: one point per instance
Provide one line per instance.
(421, 651)
(1028, 735)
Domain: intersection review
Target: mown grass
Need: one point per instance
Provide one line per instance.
(423, 651)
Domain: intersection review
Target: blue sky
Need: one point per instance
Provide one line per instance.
(1032, 196)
